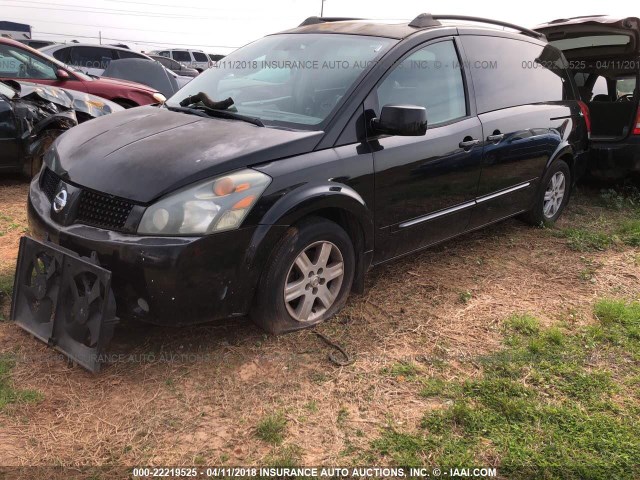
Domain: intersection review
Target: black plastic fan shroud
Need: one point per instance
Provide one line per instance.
(64, 300)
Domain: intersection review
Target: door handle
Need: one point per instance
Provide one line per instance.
(467, 144)
(495, 138)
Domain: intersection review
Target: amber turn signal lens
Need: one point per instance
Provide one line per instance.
(246, 202)
(243, 186)
(223, 187)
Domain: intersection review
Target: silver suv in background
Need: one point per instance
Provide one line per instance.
(190, 58)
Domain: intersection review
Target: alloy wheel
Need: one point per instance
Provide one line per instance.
(554, 195)
(314, 281)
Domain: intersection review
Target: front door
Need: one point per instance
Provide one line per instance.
(425, 186)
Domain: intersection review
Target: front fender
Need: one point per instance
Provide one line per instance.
(312, 197)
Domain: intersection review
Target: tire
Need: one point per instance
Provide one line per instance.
(307, 278)
(33, 166)
(553, 195)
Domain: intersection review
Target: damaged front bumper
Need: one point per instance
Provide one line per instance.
(170, 281)
(64, 300)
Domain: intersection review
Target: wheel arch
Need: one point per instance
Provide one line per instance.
(338, 203)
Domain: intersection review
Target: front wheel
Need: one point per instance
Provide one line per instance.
(553, 196)
(307, 278)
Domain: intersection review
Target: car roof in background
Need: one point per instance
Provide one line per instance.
(59, 46)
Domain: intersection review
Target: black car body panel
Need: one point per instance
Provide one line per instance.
(604, 52)
(182, 148)
(392, 194)
(33, 112)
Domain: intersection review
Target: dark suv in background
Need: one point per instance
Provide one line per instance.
(344, 144)
(604, 58)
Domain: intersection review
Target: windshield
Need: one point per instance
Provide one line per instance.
(293, 80)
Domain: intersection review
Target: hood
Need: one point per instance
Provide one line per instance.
(116, 82)
(594, 36)
(92, 105)
(143, 153)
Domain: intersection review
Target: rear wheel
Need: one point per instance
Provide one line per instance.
(553, 196)
(307, 279)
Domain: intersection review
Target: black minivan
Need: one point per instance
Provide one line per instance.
(270, 184)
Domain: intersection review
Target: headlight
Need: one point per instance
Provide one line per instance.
(158, 97)
(207, 207)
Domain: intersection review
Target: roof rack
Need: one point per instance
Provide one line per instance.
(427, 20)
(317, 20)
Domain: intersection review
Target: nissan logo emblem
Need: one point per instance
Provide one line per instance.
(60, 200)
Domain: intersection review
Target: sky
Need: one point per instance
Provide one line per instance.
(220, 27)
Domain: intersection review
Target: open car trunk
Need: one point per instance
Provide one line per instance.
(604, 57)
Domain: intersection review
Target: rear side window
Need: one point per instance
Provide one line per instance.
(62, 55)
(127, 54)
(625, 86)
(91, 57)
(181, 56)
(430, 77)
(508, 72)
(200, 57)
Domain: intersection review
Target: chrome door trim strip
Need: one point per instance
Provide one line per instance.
(491, 196)
(431, 216)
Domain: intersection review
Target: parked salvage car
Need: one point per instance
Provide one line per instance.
(175, 67)
(604, 57)
(96, 59)
(20, 62)
(270, 185)
(33, 116)
(140, 70)
(191, 58)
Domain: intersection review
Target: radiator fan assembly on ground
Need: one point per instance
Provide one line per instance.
(64, 300)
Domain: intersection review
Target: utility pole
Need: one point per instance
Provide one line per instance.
(322, 8)
(100, 36)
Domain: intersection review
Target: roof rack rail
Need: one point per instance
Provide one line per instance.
(427, 20)
(317, 20)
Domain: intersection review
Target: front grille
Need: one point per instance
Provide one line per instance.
(49, 183)
(101, 210)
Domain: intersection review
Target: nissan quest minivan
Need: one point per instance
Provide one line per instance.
(269, 185)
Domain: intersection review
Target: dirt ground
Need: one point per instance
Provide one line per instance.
(196, 395)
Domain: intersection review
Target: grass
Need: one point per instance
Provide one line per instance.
(553, 403)
(6, 286)
(402, 370)
(10, 395)
(272, 428)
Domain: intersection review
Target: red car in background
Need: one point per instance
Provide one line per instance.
(20, 62)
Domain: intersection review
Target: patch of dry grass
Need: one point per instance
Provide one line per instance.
(206, 410)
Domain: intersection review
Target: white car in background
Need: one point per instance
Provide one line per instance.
(190, 58)
(94, 59)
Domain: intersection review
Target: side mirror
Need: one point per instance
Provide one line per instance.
(62, 74)
(404, 120)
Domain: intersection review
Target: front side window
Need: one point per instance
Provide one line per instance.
(18, 63)
(200, 57)
(430, 78)
(293, 80)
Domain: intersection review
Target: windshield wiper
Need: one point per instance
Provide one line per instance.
(191, 111)
(212, 112)
(201, 102)
(205, 112)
